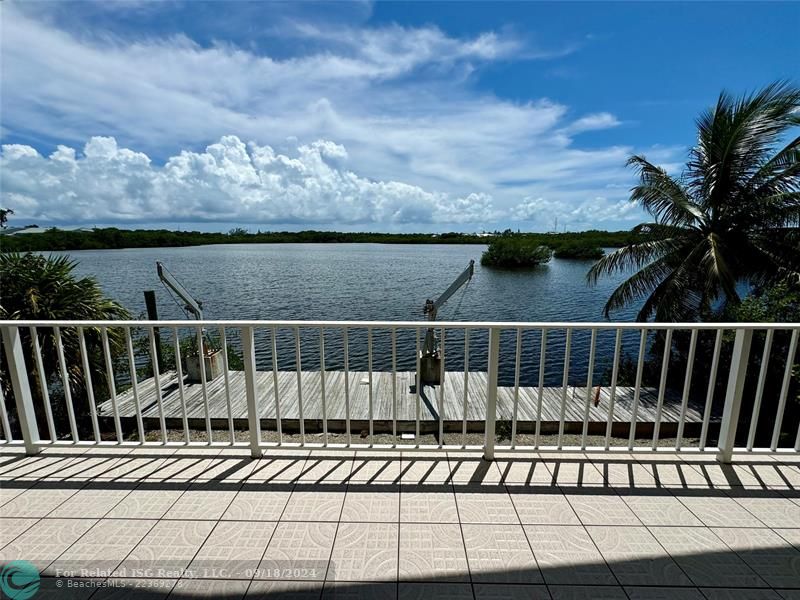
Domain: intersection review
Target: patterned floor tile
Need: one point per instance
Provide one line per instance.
(635, 557)
(12, 528)
(9, 491)
(485, 504)
(424, 468)
(432, 552)
(626, 474)
(298, 546)
(37, 502)
(790, 535)
(435, 506)
(101, 548)
(474, 471)
(326, 470)
(674, 473)
(768, 554)
(202, 501)
(134, 468)
(365, 552)
(602, 509)
(499, 554)
(322, 504)
(379, 503)
(257, 505)
(91, 502)
(659, 509)
(46, 541)
(705, 558)
(32, 468)
(188, 467)
(525, 472)
(170, 546)
(230, 470)
(371, 468)
(574, 472)
(278, 467)
(772, 511)
(717, 510)
(542, 506)
(566, 555)
(145, 503)
(232, 551)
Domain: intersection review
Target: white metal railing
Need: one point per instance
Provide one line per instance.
(54, 393)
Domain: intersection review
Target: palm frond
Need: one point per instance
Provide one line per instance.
(637, 286)
(662, 196)
(735, 140)
(717, 270)
(632, 256)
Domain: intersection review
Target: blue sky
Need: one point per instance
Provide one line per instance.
(360, 116)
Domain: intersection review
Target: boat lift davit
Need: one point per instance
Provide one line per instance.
(190, 305)
(430, 357)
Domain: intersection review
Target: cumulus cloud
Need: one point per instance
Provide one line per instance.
(230, 181)
(424, 143)
(595, 213)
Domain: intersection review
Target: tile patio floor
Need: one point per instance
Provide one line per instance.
(215, 524)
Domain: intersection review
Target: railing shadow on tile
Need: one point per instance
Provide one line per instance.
(301, 472)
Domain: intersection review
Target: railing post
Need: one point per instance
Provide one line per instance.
(249, 352)
(733, 395)
(22, 389)
(491, 392)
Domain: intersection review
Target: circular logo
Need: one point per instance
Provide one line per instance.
(19, 579)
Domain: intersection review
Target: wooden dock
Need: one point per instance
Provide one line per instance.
(401, 405)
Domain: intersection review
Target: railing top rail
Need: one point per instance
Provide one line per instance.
(401, 324)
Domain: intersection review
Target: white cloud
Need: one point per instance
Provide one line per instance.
(426, 144)
(592, 122)
(228, 182)
(596, 213)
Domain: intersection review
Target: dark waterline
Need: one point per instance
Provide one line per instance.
(371, 282)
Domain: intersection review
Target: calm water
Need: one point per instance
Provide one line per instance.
(367, 282)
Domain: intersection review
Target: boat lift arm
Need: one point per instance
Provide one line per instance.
(430, 361)
(193, 306)
(433, 306)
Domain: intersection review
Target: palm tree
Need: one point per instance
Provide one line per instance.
(733, 215)
(46, 288)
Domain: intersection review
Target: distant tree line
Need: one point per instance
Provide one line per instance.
(113, 238)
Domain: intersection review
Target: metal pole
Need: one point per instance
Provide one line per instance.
(152, 315)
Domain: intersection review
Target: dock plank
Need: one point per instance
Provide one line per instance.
(384, 403)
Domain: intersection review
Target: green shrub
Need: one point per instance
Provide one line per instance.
(515, 252)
